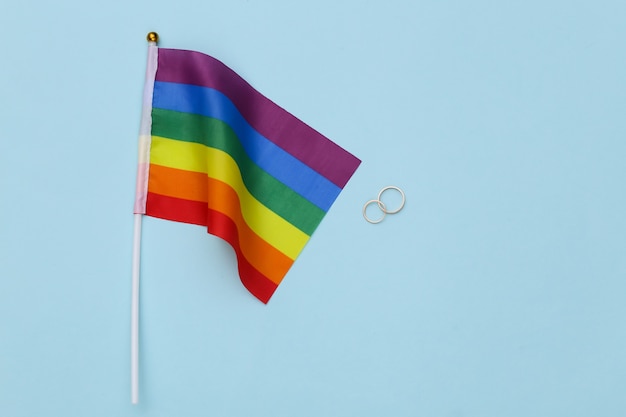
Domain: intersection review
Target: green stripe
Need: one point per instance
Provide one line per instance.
(216, 134)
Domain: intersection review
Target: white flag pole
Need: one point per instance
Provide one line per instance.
(134, 313)
(140, 208)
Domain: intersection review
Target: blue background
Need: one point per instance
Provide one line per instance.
(498, 290)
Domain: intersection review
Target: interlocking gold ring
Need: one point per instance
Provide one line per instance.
(382, 206)
(380, 202)
(365, 211)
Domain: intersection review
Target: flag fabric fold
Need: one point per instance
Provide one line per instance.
(217, 153)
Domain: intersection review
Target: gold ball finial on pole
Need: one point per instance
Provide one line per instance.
(153, 37)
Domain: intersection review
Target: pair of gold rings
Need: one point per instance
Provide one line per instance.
(382, 206)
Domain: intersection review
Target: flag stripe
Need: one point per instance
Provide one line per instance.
(267, 155)
(195, 186)
(268, 190)
(220, 225)
(219, 165)
(269, 119)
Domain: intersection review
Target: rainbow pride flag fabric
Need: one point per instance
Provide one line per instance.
(215, 152)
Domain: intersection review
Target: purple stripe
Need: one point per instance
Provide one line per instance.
(270, 120)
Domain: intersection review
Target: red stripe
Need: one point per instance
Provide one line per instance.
(218, 224)
(177, 209)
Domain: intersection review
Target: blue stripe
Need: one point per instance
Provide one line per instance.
(271, 158)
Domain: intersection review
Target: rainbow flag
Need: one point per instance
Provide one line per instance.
(216, 153)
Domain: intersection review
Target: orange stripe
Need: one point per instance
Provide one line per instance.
(197, 186)
(178, 183)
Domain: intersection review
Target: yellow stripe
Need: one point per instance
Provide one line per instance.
(217, 164)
